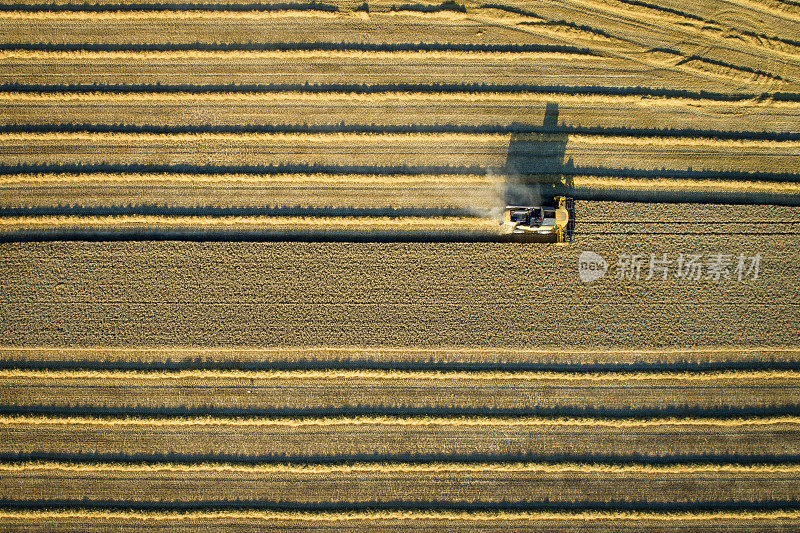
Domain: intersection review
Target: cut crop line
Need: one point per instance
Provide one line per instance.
(683, 184)
(383, 88)
(293, 54)
(393, 137)
(233, 46)
(403, 467)
(366, 350)
(104, 6)
(322, 138)
(322, 223)
(400, 421)
(200, 11)
(751, 104)
(90, 16)
(256, 179)
(104, 376)
(428, 362)
(347, 516)
(132, 126)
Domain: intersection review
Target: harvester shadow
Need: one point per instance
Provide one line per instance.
(535, 170)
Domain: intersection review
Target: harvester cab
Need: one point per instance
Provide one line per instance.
(547, 223)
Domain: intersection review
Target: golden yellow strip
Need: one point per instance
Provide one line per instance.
(401, 375)
(383, 137)
(264, 179)
(751, 105)
(257, 222)
(262, 137)
(687, 184)
(404, 467)
(361, 350)
(680, 141)
(295, 54)
(399, 421)
(90, 16)
(400, 515)
(190, 14)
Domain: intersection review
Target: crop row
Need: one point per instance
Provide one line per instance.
(380, 521)
(287, 193)
(401, 438)
(367, 356)
(346, 67)
(397, 110)
(409, 484)
(529, 153)
(411, 391)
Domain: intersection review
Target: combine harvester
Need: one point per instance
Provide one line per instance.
(539, 223)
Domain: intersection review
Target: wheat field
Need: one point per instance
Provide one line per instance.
(251, 275)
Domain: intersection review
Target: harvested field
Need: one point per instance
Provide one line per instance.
(251, 277)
